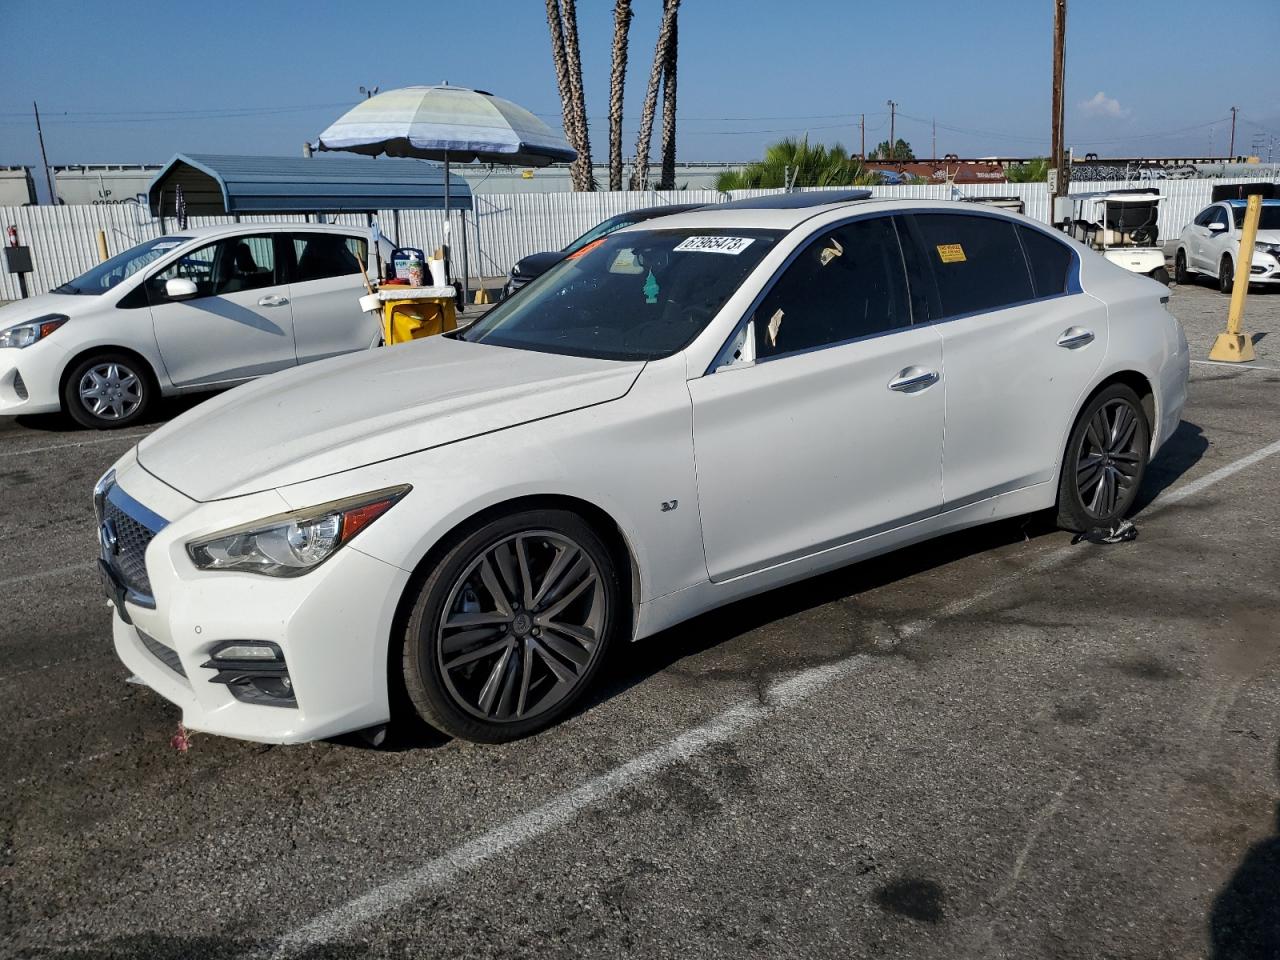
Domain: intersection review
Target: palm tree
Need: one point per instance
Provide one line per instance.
(668, 178)
(562, 20)
(640, 175)
(792, 162)
(1033, 171)
(617, 79)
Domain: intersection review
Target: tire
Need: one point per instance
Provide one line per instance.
(1099, 493)
(518, 661)
(1226, 275)
(108, 391)
(1160, 275)
(1181, 275)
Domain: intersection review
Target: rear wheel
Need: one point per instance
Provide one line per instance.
(1226, 275)
(1160, 275)
(511, 626)
(1181, 275)
(108, 391)
(1105, 461)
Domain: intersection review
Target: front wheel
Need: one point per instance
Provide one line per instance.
(1105, 461)
(511, 626)
(108, 391)
(1160, 275)
(1226, 275)
(1181, 275)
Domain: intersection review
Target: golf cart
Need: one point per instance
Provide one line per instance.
(1122, 226)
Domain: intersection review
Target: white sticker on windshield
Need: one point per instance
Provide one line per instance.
(167, 245)
(730, 245)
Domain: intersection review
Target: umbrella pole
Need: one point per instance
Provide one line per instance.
(466, 263)
(445, 243)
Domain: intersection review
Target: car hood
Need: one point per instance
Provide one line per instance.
(1268, 236)
(23, 311)
(351, 411)
(536, 264)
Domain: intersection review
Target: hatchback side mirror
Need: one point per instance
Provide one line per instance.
(1217, 226)
(180, 288)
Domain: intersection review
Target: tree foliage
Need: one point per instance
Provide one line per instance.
(901, 151)
(1033, 171)
(808, 165)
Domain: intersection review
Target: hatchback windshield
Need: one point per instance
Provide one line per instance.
(111, 272)
(638, 295)
(1270, 219)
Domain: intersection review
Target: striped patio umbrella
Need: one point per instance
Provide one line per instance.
(449, 124)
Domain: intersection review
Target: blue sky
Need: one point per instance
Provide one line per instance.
(137, 82)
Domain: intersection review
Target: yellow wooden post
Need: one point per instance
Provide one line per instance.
(1235, 346)
(102, 246)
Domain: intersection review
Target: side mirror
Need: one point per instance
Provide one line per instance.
(1217, 226)
(180, 288)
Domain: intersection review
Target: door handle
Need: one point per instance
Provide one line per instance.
(1074, 337)
(273, 301)
(913, 380)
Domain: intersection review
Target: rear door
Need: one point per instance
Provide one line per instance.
(1021, 343)
(238, 326)
(325, 290)
(834, 432)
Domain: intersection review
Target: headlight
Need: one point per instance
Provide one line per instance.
(1270, 248)
(25, 334)
(290, 544)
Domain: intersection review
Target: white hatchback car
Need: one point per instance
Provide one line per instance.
(1210, 245)
(686, 412)
(203, 309)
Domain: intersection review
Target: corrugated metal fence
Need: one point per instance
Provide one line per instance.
(503, 227)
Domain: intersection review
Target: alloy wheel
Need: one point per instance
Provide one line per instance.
(521, 626)
(1110, 459)
(110, 391)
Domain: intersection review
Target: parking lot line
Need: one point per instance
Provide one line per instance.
(75, 443)
(743, 716)
(1236, 366)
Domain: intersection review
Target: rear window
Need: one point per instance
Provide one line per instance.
(322, 255)
(977, 262)
(1049, 259)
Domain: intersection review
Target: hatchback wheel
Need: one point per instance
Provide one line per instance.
(1226, 275)
(108, 391)
(1181, 275)
(511, 626)
(1105, 461)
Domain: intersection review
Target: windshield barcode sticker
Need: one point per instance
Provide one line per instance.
(730, 245)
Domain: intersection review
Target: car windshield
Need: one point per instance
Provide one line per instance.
(638, 295)
(602, 229)
(111, 272)
(1270, 219)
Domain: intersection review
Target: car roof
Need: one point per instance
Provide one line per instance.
(1241, 203)
(787, 201)
(666, 210)
(727, 216)
(233, 229)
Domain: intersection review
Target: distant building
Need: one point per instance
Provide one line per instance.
(102, 182)
(17, 189)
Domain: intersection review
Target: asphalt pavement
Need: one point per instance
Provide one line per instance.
(994, 745)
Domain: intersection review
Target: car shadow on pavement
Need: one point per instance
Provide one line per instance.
(165, 409)
(1244, 922)
(1180, 453)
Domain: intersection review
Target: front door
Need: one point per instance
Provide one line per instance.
(325, 290)
(1022, 343)
(834, 431)
(239, 324)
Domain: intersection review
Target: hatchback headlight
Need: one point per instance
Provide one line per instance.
(1270, 248)
(25, 334)
(290, 544)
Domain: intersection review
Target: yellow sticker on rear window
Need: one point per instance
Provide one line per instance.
(951, 253)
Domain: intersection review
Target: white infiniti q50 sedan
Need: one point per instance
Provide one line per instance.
(689, 411)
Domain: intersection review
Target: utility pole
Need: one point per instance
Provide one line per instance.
(44, 159)
(934, 149)
(862, 127)
(1232, 149)
(893, 116)
(1057, 159)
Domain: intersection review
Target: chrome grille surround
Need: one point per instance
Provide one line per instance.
(125, 530)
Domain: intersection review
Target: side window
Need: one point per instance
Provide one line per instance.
(227, 266)
(1049, 259)
(1202, 219)
(322, 255)
(1219, 216)
(847, 283)
(977, 262)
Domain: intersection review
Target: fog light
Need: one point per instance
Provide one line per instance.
(254, 671)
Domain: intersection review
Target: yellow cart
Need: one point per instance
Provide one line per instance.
(412, 313)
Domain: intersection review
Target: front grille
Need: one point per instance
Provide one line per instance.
(19, 387)
(166, 655)
(133, 538)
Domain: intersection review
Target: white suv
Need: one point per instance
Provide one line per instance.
(202, 309)
(1210, 245)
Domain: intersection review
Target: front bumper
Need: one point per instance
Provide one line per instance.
(28, 381)
(1265, 268)
(332, 626)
